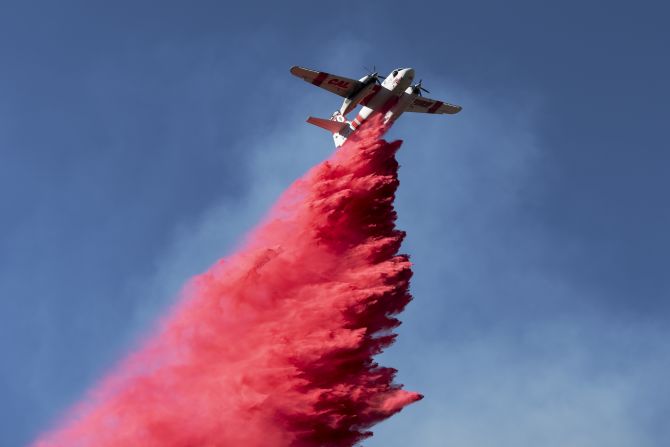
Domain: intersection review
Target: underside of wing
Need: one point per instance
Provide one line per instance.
(421, 104)
(335, 84)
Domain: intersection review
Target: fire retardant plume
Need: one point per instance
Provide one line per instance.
(274, 345)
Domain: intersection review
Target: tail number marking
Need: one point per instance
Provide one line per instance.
(339, 83)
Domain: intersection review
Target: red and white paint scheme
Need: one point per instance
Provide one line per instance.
(392, 97)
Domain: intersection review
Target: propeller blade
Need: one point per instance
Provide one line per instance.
(373, 71)
(374, 74)
(418, 88)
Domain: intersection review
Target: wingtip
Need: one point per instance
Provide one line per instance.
(456, 109)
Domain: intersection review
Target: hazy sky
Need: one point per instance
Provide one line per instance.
(140, 140)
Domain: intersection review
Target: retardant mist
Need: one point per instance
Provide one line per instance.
(274, 345)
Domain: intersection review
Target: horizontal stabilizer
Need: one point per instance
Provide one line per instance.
(329, 125)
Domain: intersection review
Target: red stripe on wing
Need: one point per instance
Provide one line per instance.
(435, 106)
(318, 80)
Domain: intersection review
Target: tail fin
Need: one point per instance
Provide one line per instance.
(330, 125)
(337, 125)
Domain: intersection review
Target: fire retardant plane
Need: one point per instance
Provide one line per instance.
(390, 98)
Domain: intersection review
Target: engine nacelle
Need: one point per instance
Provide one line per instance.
(357, 96)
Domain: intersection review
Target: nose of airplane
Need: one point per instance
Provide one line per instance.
(409, 72)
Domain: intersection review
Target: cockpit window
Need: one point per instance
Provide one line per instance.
(395, 73)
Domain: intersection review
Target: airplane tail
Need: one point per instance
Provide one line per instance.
(329, 125)
(337, 125)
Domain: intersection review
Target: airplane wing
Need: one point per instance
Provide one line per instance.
(421, 104)
(335, 84)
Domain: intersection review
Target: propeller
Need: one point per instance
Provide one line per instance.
(373, 74)
(417, 88)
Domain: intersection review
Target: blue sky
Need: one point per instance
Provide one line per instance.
(140, 140)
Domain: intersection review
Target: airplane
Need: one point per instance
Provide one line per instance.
(390, 97)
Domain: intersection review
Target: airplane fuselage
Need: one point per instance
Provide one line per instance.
(391, 106)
